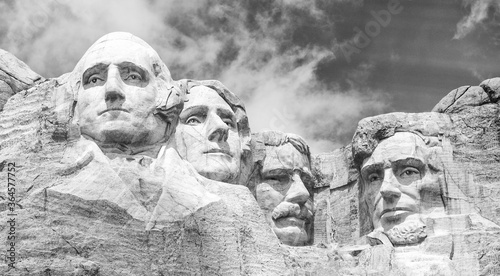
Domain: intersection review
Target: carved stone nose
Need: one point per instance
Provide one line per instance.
(391, 194)
(113, 96)
(219, 134)
(389, 189)
(218, 130)
(298, 192)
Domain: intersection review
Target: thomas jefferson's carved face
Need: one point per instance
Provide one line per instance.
(284, 194)
(400, 186)
(207, 135)
(118, 95)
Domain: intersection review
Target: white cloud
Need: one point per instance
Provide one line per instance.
(255, 58)
(478, 14)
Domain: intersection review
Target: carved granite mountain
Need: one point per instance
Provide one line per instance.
(60, 233)
(470, 122)
(79, 211)
(15, 76)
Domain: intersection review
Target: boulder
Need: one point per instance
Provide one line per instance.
(15, 76)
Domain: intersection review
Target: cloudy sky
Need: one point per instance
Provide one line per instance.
(312, 67)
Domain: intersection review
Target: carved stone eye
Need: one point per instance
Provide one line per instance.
(409, 172)
(95, 80)
(373, 177)
(193, 121)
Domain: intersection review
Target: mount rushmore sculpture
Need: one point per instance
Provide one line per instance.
(121, 170)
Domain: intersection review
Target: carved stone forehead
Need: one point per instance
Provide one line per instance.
(205, 96)
(119, 51)
(400, 146)
(373, 130)
(121, 46)
(284, 157)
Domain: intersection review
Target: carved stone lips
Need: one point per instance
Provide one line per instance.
(305, 218)
(113, 108)
(218, 151)
(292, 221)
(395, 209)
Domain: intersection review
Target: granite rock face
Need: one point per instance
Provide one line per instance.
(15, 76)
(59, 232)
(412, 194)
(468, 121)
(97, 190)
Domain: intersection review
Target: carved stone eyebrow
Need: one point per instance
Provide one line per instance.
(372, 167)
(132, 67)
(93, 70)
(226, 113)
(277, 171)
(193, 109)
(410, 161)
(365, 171)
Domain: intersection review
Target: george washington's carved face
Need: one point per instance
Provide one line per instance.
(118, 95)
(400, 187)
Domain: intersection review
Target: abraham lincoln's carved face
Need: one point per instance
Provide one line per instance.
(400, 187)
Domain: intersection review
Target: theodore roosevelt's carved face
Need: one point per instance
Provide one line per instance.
(284, 193)
(400, 186)
(118, 94)
(207, 135)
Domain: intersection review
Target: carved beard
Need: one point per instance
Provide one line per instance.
(409, 232)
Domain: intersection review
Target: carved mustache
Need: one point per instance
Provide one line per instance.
(288, 209)
(215, 150)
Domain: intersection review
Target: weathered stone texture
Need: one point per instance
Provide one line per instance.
(65, 235)
(476, 148)
(336, 204)
(462, 97)
(15, 76)
(469, 126)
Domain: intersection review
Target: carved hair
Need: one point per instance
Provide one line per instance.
(276, 138)
(430, 126)
(230, 98)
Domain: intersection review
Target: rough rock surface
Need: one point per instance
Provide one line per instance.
(15, 76)
(336, 204)
(67, 235)
(470, 119)
(58, 233)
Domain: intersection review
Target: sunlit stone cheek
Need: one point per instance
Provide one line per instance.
(267, 197)
(431, 198)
